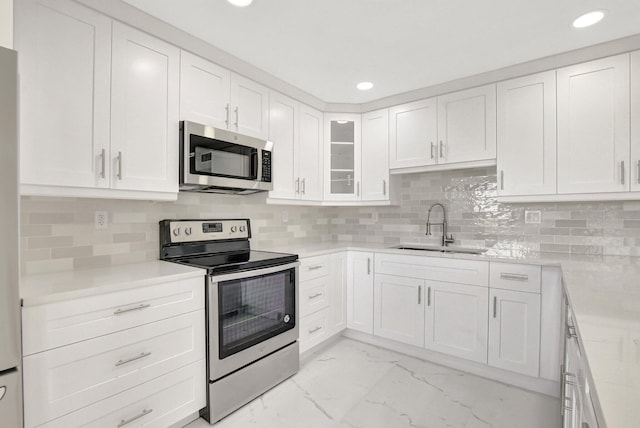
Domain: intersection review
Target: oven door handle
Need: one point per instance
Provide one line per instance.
(254, 272)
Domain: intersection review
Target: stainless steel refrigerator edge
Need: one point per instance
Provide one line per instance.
(10, 383)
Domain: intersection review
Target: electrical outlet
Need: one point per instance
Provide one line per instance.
(102, 219)
(285, 217)
(532, 217)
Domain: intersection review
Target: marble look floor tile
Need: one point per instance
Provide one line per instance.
(356, 385)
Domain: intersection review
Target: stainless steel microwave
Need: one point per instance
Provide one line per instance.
(219, 161)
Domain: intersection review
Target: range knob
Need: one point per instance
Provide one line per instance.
(234, 229)
(187, 231)
(243, 228)
(176, 231)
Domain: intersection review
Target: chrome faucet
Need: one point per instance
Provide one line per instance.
(445, 239)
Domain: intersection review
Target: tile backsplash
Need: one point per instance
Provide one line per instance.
(59, 233)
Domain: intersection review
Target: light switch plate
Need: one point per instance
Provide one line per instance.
(532, 217)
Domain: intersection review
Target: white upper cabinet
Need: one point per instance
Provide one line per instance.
(214, 96)
(250, 107)
(467, 125)
(527, 135)
(413, 134)
(144, 111)
(375, 156)
(65, 80)
(635, 121)
(296, 133)
(593, 126)
(204, 91)
(343, 155)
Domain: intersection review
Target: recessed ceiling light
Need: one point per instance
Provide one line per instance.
(588, 18)
(364, 86)
(240, 3)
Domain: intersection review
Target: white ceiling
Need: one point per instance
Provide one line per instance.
(325, 47)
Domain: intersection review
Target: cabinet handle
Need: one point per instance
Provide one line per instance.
(119, 165)
(313, 330)
(514, 276)
(638, 180)
(237, 124)
(432, 150)
(419, 294)
(132, 359)
(384, 185)
(134, 308)
(315, 267)
(358, 189)
(297, 185)
(495, 306)
(621, 172)
(441, 149)
(102, 162)
(428, 296)
(368, 266)
(315, 296)
(304, 186)
(124, 422)
(226, 122)
(501, 179)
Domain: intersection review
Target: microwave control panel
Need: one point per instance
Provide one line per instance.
(266, 166)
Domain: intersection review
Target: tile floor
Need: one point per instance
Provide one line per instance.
(355, 385)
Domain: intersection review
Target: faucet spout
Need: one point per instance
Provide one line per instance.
(445, 239)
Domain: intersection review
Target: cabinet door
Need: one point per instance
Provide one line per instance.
(375, 156)
(250, 105)
(399, 309)
(456, 320)
(310, 154)
(204, 91)
(144, 111)
(593, 126)
(467, 125)
(65, 81)
(514, 331)
(635, 121)
(413, 134)
(283, 132)
(338, 292)
(342, 151)
(360, 291)
(527, 135)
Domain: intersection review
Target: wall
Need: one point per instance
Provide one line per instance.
(6, 23)
(59, 233)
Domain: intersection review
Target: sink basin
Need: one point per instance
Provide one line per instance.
(439, 249)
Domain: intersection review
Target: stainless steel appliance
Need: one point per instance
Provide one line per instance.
(251, 304)
(10, 392)
(219, 161)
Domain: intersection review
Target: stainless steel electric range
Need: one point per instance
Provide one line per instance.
(251, 305)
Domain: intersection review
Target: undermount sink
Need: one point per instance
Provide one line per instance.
(440, 249)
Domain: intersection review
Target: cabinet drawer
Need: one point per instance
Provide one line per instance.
(66, 379)
(314, 295)
(314, 329)
(62, 323)
(314, 267)
(472, 272)
(516, 277)
(160, 402)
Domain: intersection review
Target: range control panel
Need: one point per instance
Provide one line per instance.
(208, 230)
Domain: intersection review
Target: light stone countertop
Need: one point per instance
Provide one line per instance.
(604, 292)
(54, 287)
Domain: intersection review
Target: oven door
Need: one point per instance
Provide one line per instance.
(250, 315)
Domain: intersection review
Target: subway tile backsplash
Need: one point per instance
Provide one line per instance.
(59, 233)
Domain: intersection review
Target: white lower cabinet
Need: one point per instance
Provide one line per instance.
(399, 309)
(456, 320)
(514, 331)
(360, 291)
(314, 329)
(338, 292)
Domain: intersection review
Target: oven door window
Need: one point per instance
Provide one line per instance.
(222, 159)
(252, 310)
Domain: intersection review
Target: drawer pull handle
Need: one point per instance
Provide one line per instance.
(132, 359)
(124, 422)
(134, 308)
(316, 267)
(315, 296)
(313, 330)
(514, 276)
(428, 296)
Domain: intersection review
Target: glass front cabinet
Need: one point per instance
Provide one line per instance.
(343, 153)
